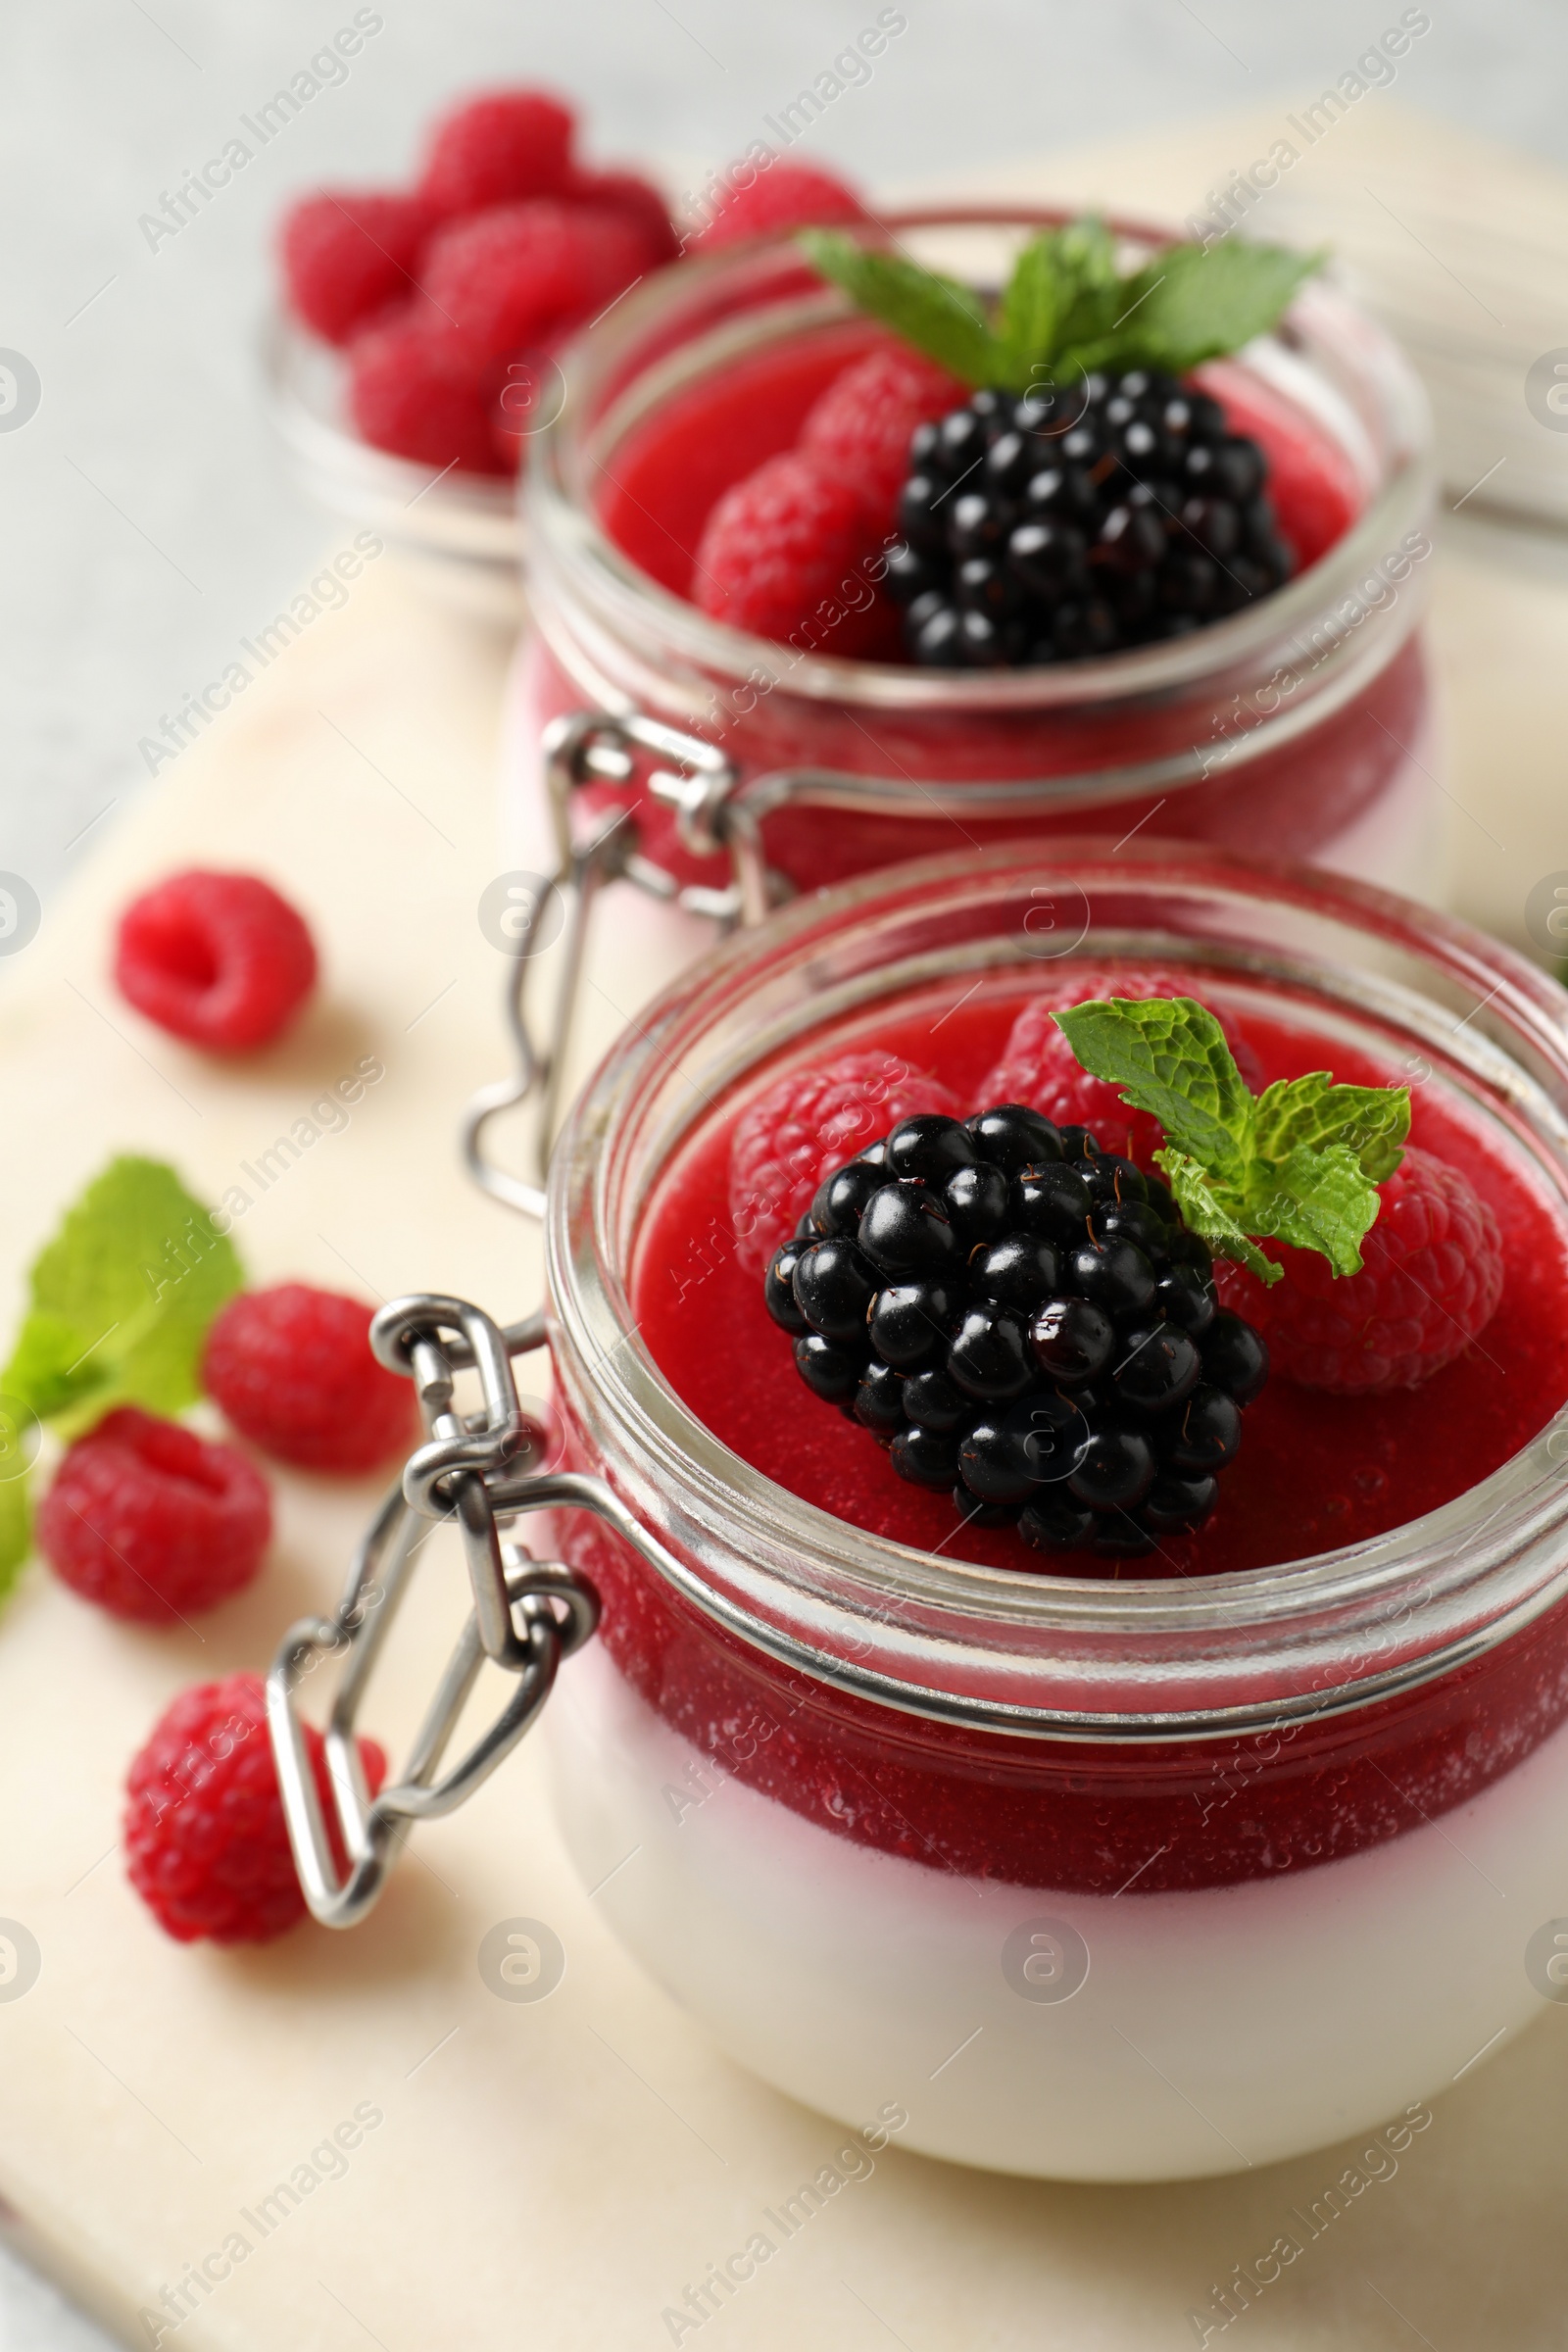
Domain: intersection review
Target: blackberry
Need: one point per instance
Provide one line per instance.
(834, 1286)
(1052, 1198)
(1233, 1357)
(905, 1228)
(836, 1206)
(978, 1203)
(1054, 527)
(879, 1400)
(908, 1322)
(830, 1372)
(779, 1288)
(1024, 1322)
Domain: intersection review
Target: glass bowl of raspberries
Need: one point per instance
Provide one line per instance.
(418, 349)
(1095, 1418)
(981, 524)
(415, 353)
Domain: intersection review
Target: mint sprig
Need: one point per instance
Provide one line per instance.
(1067, 309)
(119, 1307)
(944, 319)
(1299, 1163)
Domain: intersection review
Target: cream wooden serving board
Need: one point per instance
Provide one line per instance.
(553, 2175)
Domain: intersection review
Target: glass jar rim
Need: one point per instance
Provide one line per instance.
(1211, 1655)
(563, 530)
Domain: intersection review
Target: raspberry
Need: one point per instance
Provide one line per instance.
(206, 1844)
(786, 550)
(1430, 1282)
(220, 959)
(423, 389)
(784, 195)
(1038, 1067)
(785, 1141)
(508, 277)
(861, 426)
(151, 1522)
(292, 1369)
(350, 253)
(625, 192)
(496, 149)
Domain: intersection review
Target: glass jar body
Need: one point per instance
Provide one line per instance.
(1104, 1882)
(1355, 792)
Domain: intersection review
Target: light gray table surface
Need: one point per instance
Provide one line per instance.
(148, 520)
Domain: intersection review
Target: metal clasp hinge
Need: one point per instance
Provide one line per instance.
(700, 783)
(478, 1470)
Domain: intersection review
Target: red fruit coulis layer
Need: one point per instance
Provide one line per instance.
(670, 470)
(1313, 1472)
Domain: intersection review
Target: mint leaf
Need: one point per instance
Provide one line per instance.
(46, 1367)
(1318, 1198)
(1193, 303)
(1373, 1120)
(1064, 290)
(122, 1299)
(1300, 1163)
(941, 318)
(15, 1531)
(1207, 1216)
(1086, 253)
(1067, 309)
(1168, 1056)
(1039, 293)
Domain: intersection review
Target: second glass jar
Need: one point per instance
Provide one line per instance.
(1297, 727)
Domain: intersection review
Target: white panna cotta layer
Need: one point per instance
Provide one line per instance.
(1139, 2036)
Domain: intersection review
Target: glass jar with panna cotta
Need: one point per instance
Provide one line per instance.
(1105, 1871)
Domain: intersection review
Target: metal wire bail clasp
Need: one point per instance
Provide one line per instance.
(698, 781)
(526, 1614)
